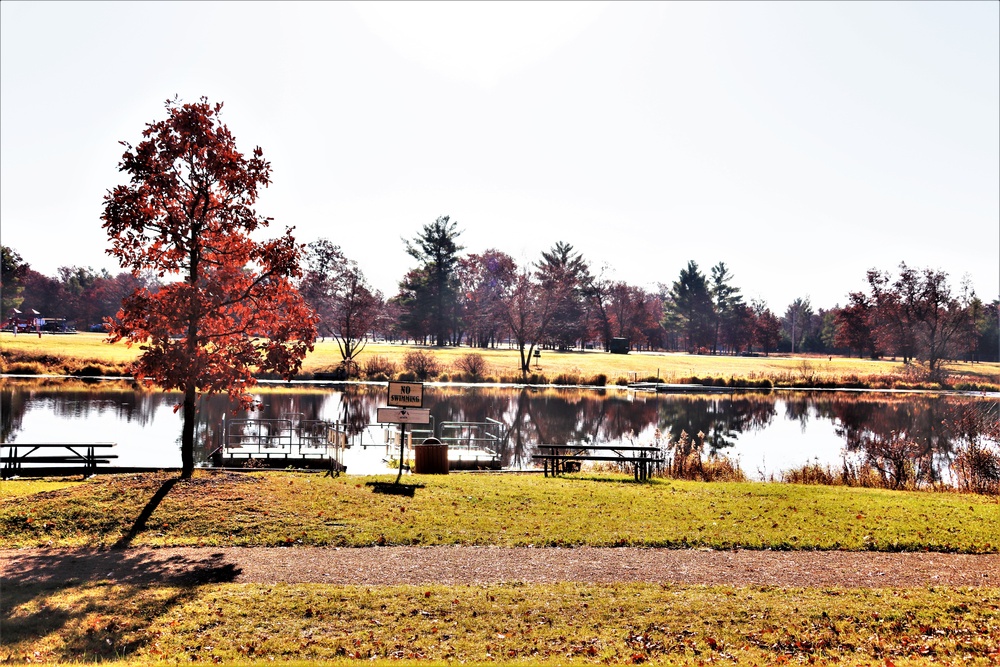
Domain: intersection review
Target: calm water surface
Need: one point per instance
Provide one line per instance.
(765, 432)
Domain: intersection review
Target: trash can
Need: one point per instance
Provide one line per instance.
(430, 457)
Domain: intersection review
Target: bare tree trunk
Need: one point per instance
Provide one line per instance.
(187, 432)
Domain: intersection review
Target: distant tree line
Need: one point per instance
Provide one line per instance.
(80, 295)
(916, 315)
(560, 302)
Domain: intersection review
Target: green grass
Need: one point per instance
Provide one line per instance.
(552, 624)
(29, 487)
(510, 623)
(279, 508)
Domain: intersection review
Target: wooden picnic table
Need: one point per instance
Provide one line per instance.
(642, 458)
(42, 455)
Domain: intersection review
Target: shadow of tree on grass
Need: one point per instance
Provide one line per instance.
(147, 511)
(96, 605)
(71, 604)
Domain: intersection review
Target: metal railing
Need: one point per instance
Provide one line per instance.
(414, 434)
(292, 437)
(258, 434)
(486, 435)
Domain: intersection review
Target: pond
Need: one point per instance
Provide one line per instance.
(766, 433)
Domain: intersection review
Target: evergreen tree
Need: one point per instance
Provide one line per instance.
(690, 307)
(564, 276)
(11, 275)
(728, 304)
(436, 248)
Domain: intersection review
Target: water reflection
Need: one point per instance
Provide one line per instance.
(762, 430)
(721, 418)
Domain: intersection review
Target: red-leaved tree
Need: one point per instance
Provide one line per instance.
(187, 214)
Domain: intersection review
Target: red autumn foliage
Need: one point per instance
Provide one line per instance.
(187, 213)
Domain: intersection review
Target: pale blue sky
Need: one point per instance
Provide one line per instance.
(801, 143)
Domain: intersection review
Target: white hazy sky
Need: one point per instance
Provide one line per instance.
(801, 143)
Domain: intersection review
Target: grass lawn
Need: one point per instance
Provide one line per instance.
(279, 508)
(514, 624)
(71, 353)
(570, 623)
(63, 353)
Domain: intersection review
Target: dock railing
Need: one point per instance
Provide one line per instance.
(486, 435)
(282, 438)
(291, 437)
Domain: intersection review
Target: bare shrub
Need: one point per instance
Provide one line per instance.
(472, 364)
(599, 380)
(900, 462)
(423, 365)
(722, 469)
(378, 367)
(24, 368)
(345, 370)
(811, 473)
(978, 470)
(977, 461)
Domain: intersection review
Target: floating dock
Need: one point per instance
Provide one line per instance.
(667, 388)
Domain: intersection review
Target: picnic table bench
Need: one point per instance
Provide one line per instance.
(556, 458)
(47, 455)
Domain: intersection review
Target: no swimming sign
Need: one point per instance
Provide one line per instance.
(406, 395)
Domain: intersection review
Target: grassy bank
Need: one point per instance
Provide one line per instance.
(552, 624)
(277, 508)
(88, 354)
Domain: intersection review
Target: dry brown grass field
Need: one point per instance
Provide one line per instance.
(89, 354)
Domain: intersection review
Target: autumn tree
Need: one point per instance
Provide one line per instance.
(653, 333)
(894, 311)
(45, 294)
(630, 313)
(942, 318)
(738, 329)
(80, 287)
(345, 304)
(598, 292)
(527, 310)
(80, 295)
(766, 327)
(854, 330)
(916, 315)
(483, 280)
(187, 212)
